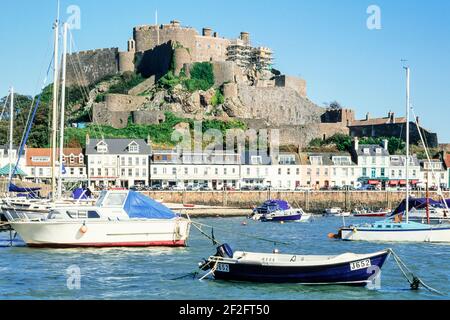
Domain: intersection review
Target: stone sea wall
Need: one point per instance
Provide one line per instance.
(314, 202)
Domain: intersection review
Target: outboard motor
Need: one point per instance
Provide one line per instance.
(224, 251)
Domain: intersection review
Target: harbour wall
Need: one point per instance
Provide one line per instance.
(314, 202)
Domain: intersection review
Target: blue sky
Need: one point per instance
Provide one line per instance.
(326, 42)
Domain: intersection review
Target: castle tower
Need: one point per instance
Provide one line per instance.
(207, 32)
(126, 59)
(245, 37)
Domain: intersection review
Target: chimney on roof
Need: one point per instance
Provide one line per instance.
(368, 116)
(88, 139)
(356, 143)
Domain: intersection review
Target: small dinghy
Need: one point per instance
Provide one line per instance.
(344, 269)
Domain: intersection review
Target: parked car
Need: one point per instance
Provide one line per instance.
(246, 188)
(348, 188)
(336, 188)
(156, 187)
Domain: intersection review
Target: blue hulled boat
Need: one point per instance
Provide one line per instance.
(345, 269)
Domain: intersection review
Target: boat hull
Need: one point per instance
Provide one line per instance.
(287, 218)
(339, 273)
(132, 233)
(429, 234)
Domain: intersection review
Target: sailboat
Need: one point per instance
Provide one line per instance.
(395, 229)
(118, 219)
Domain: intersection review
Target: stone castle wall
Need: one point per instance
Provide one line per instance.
(395, 130)
(295, 83)
(87, 67)
(278, 106)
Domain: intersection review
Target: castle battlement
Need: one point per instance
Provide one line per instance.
(90, 52)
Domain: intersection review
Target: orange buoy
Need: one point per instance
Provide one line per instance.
(332, 236)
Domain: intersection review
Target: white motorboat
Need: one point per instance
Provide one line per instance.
(279, 211)
(335, 212)
(119, 219)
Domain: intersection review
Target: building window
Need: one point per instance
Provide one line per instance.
(33, 171)
(99, 172)
(186, 170)
(318, 172)
(316, 160)
(144, 172)
(248, 171)
(256, 160)
(122, 161)
(137, 172)
(81, 171)
(130, 172)
(106, 172)
(136, 161)
(134, 148)
(155, 170)
(123, 172)
(174, 171)
(102, 147)
(92, 172)
(279, 171)
(289, 171)
(144, 161)
(80, 159)
(298, 171)
(374, 173)
(130, 161)
(364, 172)
(224, 171)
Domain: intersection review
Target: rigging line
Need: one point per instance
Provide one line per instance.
(4, 106)
(244, 234)
(84, 89)
(30, 124)
(441, 194)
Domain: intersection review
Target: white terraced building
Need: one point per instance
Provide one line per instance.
(187, 169)
(118, 162)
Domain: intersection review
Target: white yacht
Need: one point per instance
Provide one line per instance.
(118, 219)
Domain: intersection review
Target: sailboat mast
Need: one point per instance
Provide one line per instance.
(11, 134)
(408, 104)
(63, 102)
(55, 108)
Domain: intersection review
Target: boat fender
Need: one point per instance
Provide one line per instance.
(355, 230)
(83, 229)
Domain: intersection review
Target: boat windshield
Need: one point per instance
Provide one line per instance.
(101, 198)
(115, 199)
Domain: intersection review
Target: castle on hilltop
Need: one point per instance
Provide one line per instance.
(154, 48)
(253, 91)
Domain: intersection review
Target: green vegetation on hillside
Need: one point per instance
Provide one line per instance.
(161, 134)
(202, 78)
(342, 142)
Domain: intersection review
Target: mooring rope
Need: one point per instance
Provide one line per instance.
(197, 224)
(415, 281)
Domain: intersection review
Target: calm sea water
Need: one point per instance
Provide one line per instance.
(149, 273)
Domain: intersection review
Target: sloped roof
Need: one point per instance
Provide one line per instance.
(5, 171)
(118, 146)
(372, 150)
